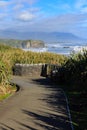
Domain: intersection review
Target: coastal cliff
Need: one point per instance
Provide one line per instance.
(25, 44)
(32, 44)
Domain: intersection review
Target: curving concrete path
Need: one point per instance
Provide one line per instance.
(38, 105)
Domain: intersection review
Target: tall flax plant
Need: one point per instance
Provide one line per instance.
(5, 68)
(4, 77)
(76, 67)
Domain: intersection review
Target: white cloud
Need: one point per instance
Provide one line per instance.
(25, 16)
(28, 21)
(21, 15)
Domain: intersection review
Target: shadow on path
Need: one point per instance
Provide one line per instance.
(5, 127)
(57, 102)
(55, 98)
(49, 121)
(52, 116)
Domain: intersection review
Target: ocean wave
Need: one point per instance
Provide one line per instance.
(36, 49)
(79, 48)
(54, 45)
(59, 48)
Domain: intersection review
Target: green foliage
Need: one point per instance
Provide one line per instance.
(72, 70)
(9, 56)
(4, 96)
(4, 77)
(74, 73)
(19, 43)
(5, 72)
(76, 67)
(11, 42)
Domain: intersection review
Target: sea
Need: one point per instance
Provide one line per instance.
(61, 48)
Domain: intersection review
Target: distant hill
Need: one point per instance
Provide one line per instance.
(44, 36)
(54, 36)
(23, 43)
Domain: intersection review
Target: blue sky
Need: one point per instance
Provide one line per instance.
(43, 16)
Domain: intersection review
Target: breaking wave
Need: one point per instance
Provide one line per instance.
(36, 49)
(60, 48)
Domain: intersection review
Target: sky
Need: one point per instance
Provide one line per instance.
(17, 16)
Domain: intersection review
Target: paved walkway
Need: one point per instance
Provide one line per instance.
(38, 105)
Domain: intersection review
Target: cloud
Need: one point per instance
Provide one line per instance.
(62, 23)
(80, 3)
(84, 10)
(3, 3)
(81, 6)
(66, 19)
(25, 21)
(18, 6)
(3, 16)
(25, 16)
(30, 2)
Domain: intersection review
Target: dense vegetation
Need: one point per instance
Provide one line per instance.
(9, 56)
(22, 43)
(11, 42)
(73, 76)
(72, 73)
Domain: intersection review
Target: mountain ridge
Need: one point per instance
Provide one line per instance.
(44, 36)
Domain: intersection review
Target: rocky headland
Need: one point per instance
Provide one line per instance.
(32, 44)
(25, 44)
